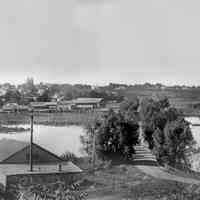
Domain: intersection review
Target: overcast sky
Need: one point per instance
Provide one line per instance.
(100, 41)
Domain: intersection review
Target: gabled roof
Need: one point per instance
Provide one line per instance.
(66, 102)
(36, 104)
(39, 154)
(15, 169)
(14, 159)
(9, 146)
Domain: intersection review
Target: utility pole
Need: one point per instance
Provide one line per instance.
(93, 149)
(31, 145)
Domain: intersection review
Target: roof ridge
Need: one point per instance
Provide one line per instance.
(38, 146)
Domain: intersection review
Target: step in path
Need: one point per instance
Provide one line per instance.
(143, 156)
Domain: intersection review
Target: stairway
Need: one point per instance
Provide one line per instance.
(143, 156)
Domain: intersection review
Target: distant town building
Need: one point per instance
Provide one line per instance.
(88, 103)
(113, 105)
(10, 107)
(65, 106)
(14, 107)
(43, 106)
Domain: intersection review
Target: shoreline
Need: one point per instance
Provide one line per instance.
(48, 119)
(12, 130)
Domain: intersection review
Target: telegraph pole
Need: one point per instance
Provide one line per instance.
(94, 149)
(31, 145)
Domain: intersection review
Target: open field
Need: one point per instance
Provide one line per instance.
(54, 119)
(128, 182)
(186, 99)
(140, 180)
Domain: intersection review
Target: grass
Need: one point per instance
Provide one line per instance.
(51, 119)
(128, 182)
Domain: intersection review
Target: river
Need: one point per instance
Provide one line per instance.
(57, 139)
(195, 129)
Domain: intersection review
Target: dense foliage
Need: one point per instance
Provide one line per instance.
(166, 132)
(69, 156)
(171, 145)
(129, 109)
(116, 134)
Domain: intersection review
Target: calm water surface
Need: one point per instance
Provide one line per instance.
(67, 138)
(195, 129)
(56, 139)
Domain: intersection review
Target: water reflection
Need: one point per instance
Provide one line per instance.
(56, 139)
(195, 129)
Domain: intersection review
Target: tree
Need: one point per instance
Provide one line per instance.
(13, 96)
(69, 156)
(91, 127)
(172, 144)
(129, 109)
(166, 131)
(115, 136)
(155, 114)
(149, 114)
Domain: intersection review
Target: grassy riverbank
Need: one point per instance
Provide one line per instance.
(51, 119)
(128, 182)
(10, 130)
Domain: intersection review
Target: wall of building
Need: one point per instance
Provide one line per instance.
(19, 183)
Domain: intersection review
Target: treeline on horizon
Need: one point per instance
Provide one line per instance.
(29, 91)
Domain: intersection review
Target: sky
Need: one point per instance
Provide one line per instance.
(100, 41)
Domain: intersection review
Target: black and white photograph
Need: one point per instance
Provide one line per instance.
(99, 100)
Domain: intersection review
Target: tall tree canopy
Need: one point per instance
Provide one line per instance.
(130, 109)
(166, 131)
(172, 144)
(115, 136)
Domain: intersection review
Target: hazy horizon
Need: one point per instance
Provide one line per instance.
(96, 84)
(100, 41)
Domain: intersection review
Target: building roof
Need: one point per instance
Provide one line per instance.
(87, 100)
(10, 106)
(15, 169)
(39, 154)
(14, 160)
(66, 102)
(39, 104)
(8, 147)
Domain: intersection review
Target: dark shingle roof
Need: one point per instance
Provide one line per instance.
(8, 147)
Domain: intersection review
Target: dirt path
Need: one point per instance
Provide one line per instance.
(160, 173)
(146, 162)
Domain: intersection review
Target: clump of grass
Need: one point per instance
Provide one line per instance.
(69, 156)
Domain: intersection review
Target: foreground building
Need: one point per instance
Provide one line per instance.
(47, 167)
